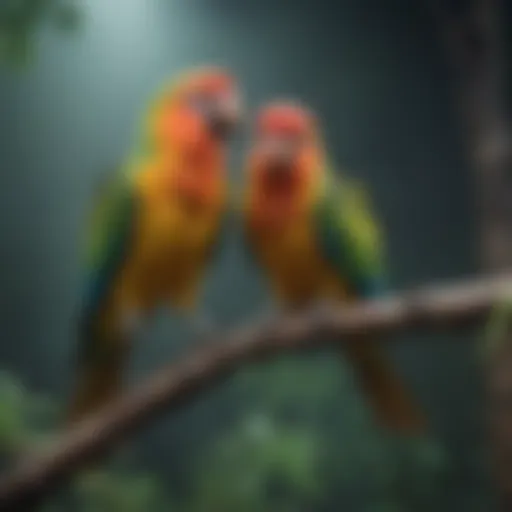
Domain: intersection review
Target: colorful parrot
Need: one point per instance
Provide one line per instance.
(314, 236)
(155, 226)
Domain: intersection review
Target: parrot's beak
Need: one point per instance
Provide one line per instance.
(278, 155)
(224, 116)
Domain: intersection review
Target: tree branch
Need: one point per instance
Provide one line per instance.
(431, 308)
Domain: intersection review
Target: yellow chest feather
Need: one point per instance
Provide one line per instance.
(170, 232)
(170, 245)
(296, 267)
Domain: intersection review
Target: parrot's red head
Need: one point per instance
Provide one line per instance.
(285, 155)
(197, 114)
(188, 129)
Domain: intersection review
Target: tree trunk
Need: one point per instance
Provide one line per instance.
(473, 39)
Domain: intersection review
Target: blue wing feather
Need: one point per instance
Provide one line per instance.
(109, 234)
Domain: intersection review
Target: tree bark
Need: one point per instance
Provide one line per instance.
(472, 34)
(432, 308)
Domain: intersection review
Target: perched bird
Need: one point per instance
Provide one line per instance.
(316, 239)
(155, 226)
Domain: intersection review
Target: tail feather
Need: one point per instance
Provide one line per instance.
(100, 381)
(392, 403)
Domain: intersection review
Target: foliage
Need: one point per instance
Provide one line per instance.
(302, 444)
(259, 465)
(354, 461)
(26, 419)
(105, 491)
(496, 330)
(21, 22)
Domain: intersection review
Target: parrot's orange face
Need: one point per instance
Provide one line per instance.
(285, 154)
(199, 114)
(189, 129)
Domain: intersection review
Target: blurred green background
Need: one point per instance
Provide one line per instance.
(292, 434)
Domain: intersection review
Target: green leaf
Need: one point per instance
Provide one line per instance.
(259, 465)
(105, 490)
(20, 24)
(17, 49)
(497, 329)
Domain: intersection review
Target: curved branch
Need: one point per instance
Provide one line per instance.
(431, 308)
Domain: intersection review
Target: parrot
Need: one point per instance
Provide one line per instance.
(155, 224)
(314, 236)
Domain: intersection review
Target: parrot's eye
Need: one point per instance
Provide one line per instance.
(200, 103)
(219, 110)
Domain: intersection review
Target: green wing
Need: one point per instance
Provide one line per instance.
(349, 236)
(109, 231)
